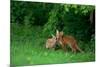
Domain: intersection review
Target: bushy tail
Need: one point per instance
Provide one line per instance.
(79, 49)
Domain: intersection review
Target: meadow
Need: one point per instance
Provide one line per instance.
(28, 48)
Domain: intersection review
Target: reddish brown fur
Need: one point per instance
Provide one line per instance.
(68, 40)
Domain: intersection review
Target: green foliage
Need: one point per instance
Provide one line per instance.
(28, 13)
(77, 21)
(72, 19)
(50, 26)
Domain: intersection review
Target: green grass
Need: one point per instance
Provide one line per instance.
(28, 48)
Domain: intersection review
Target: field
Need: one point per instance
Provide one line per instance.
(28, 48)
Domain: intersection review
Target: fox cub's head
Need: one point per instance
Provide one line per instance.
(59, 34)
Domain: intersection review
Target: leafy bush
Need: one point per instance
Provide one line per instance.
(72, 19)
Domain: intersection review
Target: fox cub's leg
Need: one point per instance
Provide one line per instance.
(63, 46)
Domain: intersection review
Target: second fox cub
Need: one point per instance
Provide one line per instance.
(51, 42)
(67, 40)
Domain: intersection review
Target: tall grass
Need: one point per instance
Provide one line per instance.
(28, 48)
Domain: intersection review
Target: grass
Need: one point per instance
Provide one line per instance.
(28, 48)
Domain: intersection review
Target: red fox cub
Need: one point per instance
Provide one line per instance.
(51, 42)
(67, 40)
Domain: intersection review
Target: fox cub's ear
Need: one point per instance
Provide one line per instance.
(57, 32)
